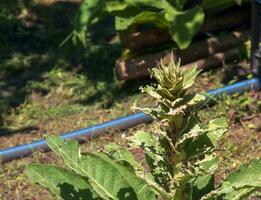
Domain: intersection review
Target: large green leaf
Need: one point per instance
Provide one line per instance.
(122, 155)
(145, 139)
(62, 183)
(216, 128)
(114, 174)
(154, 152)
(209, 164)
(242, 182)
(68, 150)
(201, 186)
(182, 24)
(207, 141)
(146, 17)
(108, 178)
(159, 4)
(190, 76)
(93, 9)
(185, 25)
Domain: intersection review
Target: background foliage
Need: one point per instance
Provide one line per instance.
(182, 19)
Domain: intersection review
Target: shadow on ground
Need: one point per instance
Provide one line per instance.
(30, 39)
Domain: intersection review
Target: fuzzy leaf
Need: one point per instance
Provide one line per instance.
(145, 139)
(151, 91)
(209, 164)
(154, 153)
(68, 150)
(194, 100)
(243, 181)
(119, 181)
(124, 22)
(121, 154)
(216, 128)
(108, 178)
(192, 134)
(185, 25)
(159, 4)
(62, 183)
(173, 81)
(190, 76)
(201, 186)
(207, 141)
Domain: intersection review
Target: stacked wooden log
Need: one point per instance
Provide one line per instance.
(207, 53)
(210, 52)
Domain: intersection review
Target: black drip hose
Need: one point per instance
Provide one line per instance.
(256, 37)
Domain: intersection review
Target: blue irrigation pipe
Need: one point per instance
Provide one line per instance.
(120, 123)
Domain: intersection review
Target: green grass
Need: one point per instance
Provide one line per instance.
(42, 81)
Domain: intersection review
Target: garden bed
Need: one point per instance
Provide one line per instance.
(243, 137)
(44, 90)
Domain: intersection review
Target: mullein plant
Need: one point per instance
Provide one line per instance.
(180, 154)
(185, 146)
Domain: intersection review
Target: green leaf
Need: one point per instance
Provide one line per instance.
(87, 12)
(194, 100)
(185, 25)
(151, 91)
(170, 80)
(145, 17)
(62, 183)
(119, 181)
(209, 164)
(216, 128)
(142, 138)
(190, 76)
(115, 6)
(201, 186)
(120, 154)
(160, 4)
(68, 150)
(154, 152)
(108, 178)
(242, 182)
(208, 140)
